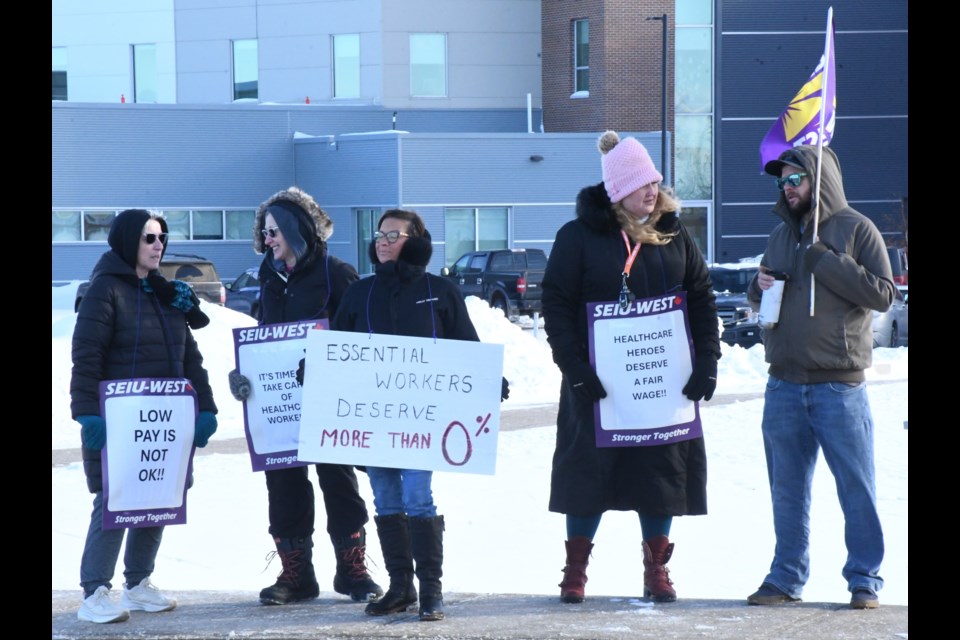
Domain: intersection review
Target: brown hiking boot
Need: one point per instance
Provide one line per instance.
(656, 577)
(575, 572)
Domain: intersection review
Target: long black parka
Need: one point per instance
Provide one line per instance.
(585, 265)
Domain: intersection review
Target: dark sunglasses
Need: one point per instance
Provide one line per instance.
(793, 180)
(390, 236)
(270, 231)
(151, 238)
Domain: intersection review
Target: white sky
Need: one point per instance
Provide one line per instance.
(500, 537)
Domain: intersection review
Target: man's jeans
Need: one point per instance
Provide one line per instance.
(402, 491)
(798, 420)
(102, 548)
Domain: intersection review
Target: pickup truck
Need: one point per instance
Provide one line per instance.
(508, 279)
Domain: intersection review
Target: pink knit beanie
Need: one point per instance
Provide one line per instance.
(626, 165)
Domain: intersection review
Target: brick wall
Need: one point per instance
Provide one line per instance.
(625, 65)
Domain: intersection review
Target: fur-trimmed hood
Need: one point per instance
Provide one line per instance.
(318, 220)
(595, 210)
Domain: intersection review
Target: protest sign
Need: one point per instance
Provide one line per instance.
(268, 355)
(643, 355)
(149, 451)
(401, 402)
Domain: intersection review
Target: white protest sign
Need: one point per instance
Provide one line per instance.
(149, 450)
(643, 357)
(401, 402)
(268, 355)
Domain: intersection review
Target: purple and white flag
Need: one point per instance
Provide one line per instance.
(811, 115)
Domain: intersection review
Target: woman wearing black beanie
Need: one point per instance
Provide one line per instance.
(132, 323)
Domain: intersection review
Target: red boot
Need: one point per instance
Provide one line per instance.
(656, 579)
(575, 573)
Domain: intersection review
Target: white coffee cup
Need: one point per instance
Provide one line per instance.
(770, 301)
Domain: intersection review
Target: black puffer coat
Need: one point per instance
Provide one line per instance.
(124, 332)
(585, 264)
(402, 299)
(313, 289)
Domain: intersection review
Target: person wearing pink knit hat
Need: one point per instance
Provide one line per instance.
(626, 242)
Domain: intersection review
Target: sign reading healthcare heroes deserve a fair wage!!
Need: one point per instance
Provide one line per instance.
(643, 355)
(269, 355)
(401, 402)
(149, 450)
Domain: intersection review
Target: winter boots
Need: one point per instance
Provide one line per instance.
(352, 578)
(426, 537)
(656, 580)
(575, 571)
(394, 534)
(297, 581)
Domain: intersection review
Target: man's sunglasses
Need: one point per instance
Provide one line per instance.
(151, 238)
(793, 180)
(390, 236)
(270, 231)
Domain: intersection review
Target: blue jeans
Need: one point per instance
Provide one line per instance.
(102, 549)
(402, 491)
(799, 420)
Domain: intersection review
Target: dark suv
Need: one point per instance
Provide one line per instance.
(196, 271)
(730, 282)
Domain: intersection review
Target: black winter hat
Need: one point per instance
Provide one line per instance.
(125, 232)
(296, 226)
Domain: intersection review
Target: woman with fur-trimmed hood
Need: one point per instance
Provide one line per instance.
(300, 280)
(628, 214)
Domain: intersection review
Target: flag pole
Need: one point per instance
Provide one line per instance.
(824, 84)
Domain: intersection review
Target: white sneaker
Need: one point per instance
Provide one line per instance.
(146, 597)
(100, 608)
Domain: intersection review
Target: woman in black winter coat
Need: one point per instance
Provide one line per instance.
(628, 214)
(300, 280)
(132, 323)
(402, 299)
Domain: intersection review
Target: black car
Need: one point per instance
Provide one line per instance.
(196, 271)
(243, 294)
(730, 282)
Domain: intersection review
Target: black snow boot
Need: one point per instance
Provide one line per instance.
(297, 581)
(426, 536)
(352, 578)
(394, 533)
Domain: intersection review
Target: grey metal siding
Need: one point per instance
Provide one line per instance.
(764, 57)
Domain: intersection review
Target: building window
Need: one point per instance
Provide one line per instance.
(245, 69)
(428, 65)
(66, 226)
(145, 73)
(366, 225)
(239, 224)
(581, 56)
(475, 229)
(59, 73)
(346, 65)
(96, 226)
(207, 225)
(178, 224)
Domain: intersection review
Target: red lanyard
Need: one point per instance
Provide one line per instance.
(626, 297)
(628, 265)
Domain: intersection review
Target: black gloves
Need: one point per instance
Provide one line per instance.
(300, 367)
(179, 295)
(504, 389)
(703, 380)
(584, 381)
(240, 386)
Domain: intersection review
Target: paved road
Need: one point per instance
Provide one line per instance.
(216, 615)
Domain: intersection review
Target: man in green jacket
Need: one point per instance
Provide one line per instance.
(816, 396)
